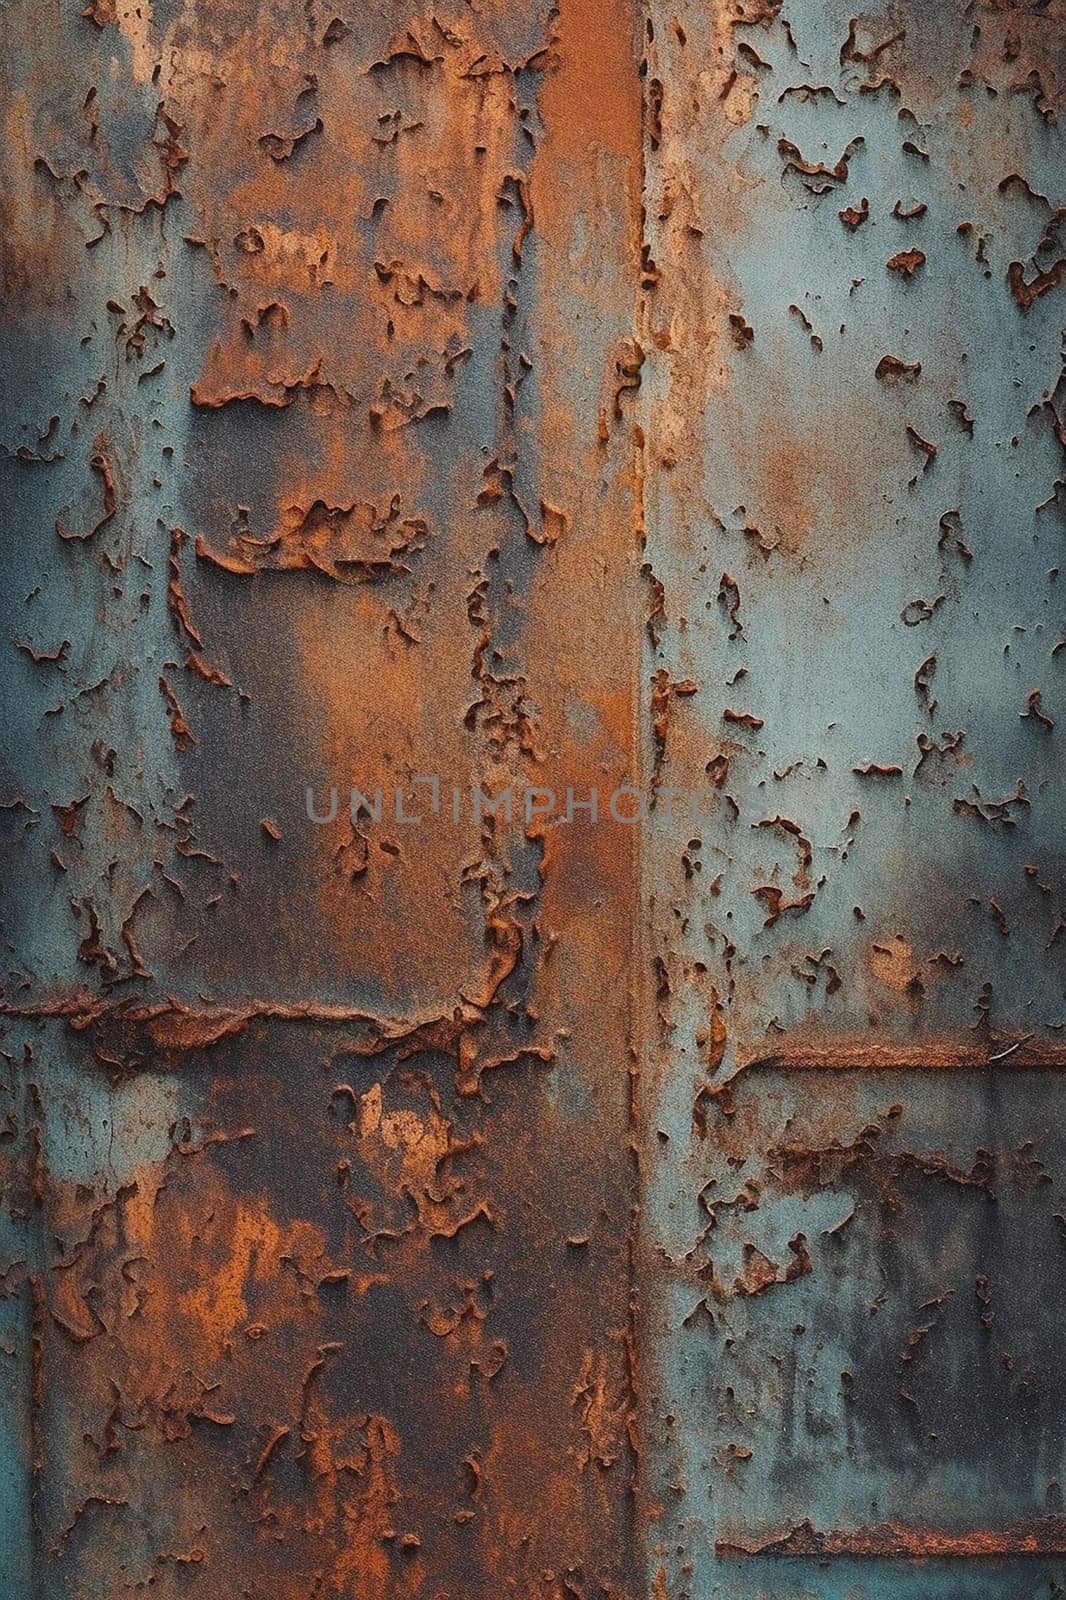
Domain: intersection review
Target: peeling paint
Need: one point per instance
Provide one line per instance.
(589, 397)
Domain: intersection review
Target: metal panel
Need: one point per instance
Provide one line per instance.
(853, 1153)
(319, 1250)
(608, 395)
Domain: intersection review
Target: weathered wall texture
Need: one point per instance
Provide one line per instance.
(609, 393)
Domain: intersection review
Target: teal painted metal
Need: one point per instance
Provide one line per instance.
(852, 1134)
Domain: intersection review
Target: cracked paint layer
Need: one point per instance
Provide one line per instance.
(596, 395)
(851, 1265)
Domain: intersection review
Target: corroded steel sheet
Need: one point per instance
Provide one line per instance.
(851, 1115)
(661, 1203)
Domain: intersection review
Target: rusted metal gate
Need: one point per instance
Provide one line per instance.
(607, 400)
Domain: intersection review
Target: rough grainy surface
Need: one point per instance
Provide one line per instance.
(609, 393)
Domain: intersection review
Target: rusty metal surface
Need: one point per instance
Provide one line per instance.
(602, 395)
(852, 1122)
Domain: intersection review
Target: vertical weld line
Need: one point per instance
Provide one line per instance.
(639, 964)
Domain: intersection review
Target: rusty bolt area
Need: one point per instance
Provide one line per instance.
(534, 901)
